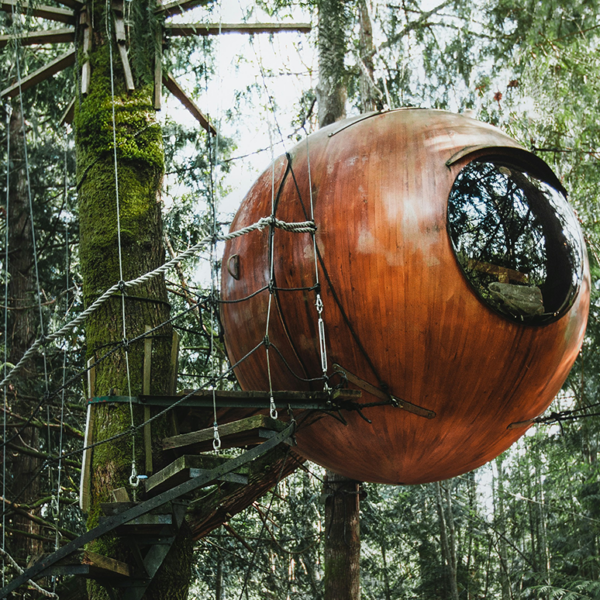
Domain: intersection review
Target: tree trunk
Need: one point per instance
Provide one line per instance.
(447, 543)
(140, 172)
(342, 538)
(22, 332)
(368, 93)
(331, 90)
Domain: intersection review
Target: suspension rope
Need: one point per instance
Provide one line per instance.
(8, 115)
(133, 479)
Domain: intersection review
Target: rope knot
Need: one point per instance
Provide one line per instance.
(126, 343)
(121, 286)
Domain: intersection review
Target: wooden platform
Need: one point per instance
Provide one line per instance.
(91, 565)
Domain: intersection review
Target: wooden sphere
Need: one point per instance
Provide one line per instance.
(400, 308)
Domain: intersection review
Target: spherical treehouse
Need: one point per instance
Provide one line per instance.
(454, 282)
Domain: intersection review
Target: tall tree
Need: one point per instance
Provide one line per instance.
(120, 170)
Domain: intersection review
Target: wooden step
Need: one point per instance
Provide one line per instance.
(157, 523)
(91, 565)
(188, 467)
(245, 432)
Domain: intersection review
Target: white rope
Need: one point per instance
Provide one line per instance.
(8, 115)
(299, 227)
(20, 570)
(133, 479)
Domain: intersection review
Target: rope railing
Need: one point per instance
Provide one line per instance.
(298, 227)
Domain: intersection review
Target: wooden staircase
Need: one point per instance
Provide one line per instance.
(150, 527)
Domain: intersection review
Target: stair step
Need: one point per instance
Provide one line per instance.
(187, 467)
(245, 432)
(157, 523)
(91, 565)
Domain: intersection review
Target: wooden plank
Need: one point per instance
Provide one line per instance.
(86, 68)
(126, 67)
(62, 15)
(60, 63)
(188, 467)
(98, 564)
(178, 92)
(158, 70)
(69, 113)
(120, 33)
(203, 29)
(146, 378)
(31, 38)
(120, 495)
(243, 432)
(86, 460)
(179, 6)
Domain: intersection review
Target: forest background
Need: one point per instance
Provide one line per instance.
(526, 525)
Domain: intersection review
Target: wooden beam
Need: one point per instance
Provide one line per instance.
(122, 44)
(191, 29)
(62, 15)
(60, 63)
(178, 92)
(30, 38)
(86, 68)
(179, 6)
(158, 75)
(69, 113)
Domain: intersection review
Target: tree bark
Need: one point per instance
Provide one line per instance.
(447, 543)
(331, 90)
(23, 326)
(139, 171)
(342, 538)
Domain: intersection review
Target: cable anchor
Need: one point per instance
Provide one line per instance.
(216, 438)
(272, 408)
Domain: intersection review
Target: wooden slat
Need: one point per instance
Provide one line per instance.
(178, 7)
(69, 113)
(126, 67)
(95, 565)
(178, 92)
(158, 69)
(188, 467)
(30, 38)
(242, 432)
(86, 68)
(192, 29)
(62, 15)
(62, 62)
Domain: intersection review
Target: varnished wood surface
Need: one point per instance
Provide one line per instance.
(380, 188)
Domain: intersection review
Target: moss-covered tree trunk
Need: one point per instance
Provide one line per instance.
(139, 173)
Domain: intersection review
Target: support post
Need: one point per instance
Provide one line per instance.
(342, 538)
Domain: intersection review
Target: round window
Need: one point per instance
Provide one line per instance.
(517, 241)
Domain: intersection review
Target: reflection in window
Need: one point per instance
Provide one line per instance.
(517, 241)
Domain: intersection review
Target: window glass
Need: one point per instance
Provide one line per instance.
(517, 241)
